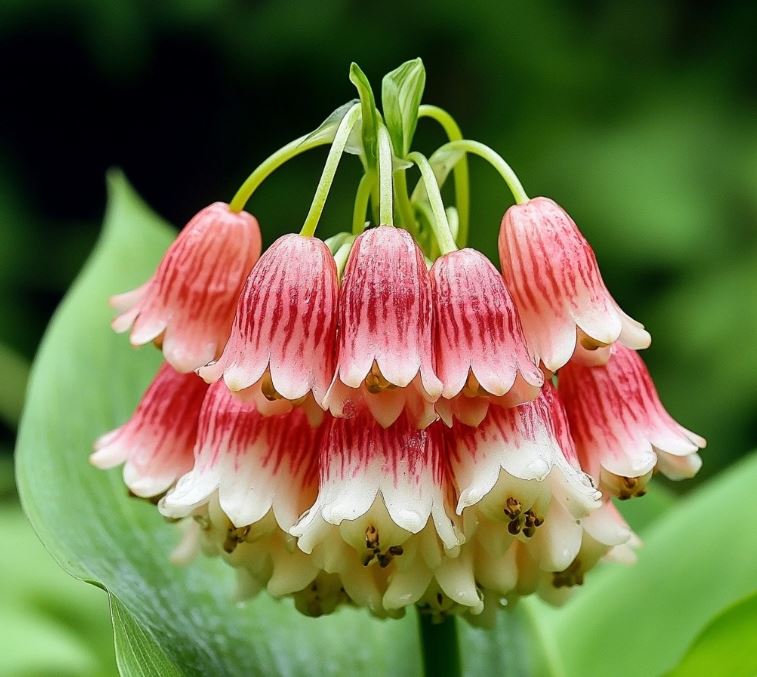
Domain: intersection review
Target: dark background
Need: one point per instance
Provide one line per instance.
(638, 117)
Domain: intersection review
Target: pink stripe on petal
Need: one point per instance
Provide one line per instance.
(285, 322)
(552, 273)
(617, 419)
(156, 443)
(193, 294)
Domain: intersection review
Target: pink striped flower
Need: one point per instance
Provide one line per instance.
(552, 273)
(382, 518)
(156, 444)
(188, 306)
(621, 429)
(481, 355)
(385, 348)
(254, 464)
(281, 349)
(518, 484)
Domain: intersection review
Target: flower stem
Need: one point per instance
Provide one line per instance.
(329, 170)
(404, 206)
(495, 159)
(270, 165)
(439, 224)
(386, 210)
(441, 653)
(362, 197)
(462, 182)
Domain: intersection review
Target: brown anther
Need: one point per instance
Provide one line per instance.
(529, 531)
(512, 507)
(538, 521)
(384, 560)
(640, 493)
(572, 575)
(368, 558)
(234, 537)
(624, 495)
(630, 482)
(396, 550)
(590, 343)
(375, 382)
(514, 527)
(372, 538)
(266, 387)
(473, 388)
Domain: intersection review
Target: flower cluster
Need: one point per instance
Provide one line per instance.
(363, 421)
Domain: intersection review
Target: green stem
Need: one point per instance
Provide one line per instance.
(404, 206)
(362, 198)
(329, 170)
(462, 182)
(439, 224)
(342, 254)
(495, 159)
(386, 210)
(441, 653)
(270, 165)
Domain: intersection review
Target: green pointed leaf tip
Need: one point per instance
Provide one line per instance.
(369, 118)
(401, 94)
(167, 620)
(327, 129)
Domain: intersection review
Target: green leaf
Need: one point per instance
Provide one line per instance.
(401, 94)
(726, 645)
(639, 620)
(327, 129)
(51, 624)
(369, 119)
(167, 620)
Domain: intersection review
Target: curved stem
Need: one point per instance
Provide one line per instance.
(462, 181)
(386, 210)
(495, 159)
(404, 205)
(439, 224)
(329, 170)
(270, 165)
(362, 197)
(441, 653)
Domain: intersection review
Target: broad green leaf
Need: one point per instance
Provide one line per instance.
(369, 119)
(726, 645)
(401, 94)
(51, 625)
(639, 620)
(86, 381)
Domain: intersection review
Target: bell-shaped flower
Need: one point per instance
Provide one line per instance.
(481, 354)
(385, 352)
(621, 429)
(254, 464)
(563, 303)
(281, 349)
(517, 483)
(188, 305)
(156, 444)
(382, 520)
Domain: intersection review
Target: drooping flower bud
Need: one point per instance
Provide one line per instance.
(552, 273)
(188, 306)
(281, 348)
(255, 464)
(382, 519)
(481, 355)
(621, 429)
(384, 357)
(517, 484)
(156, 443)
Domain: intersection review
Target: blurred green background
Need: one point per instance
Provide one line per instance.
(639, 118)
